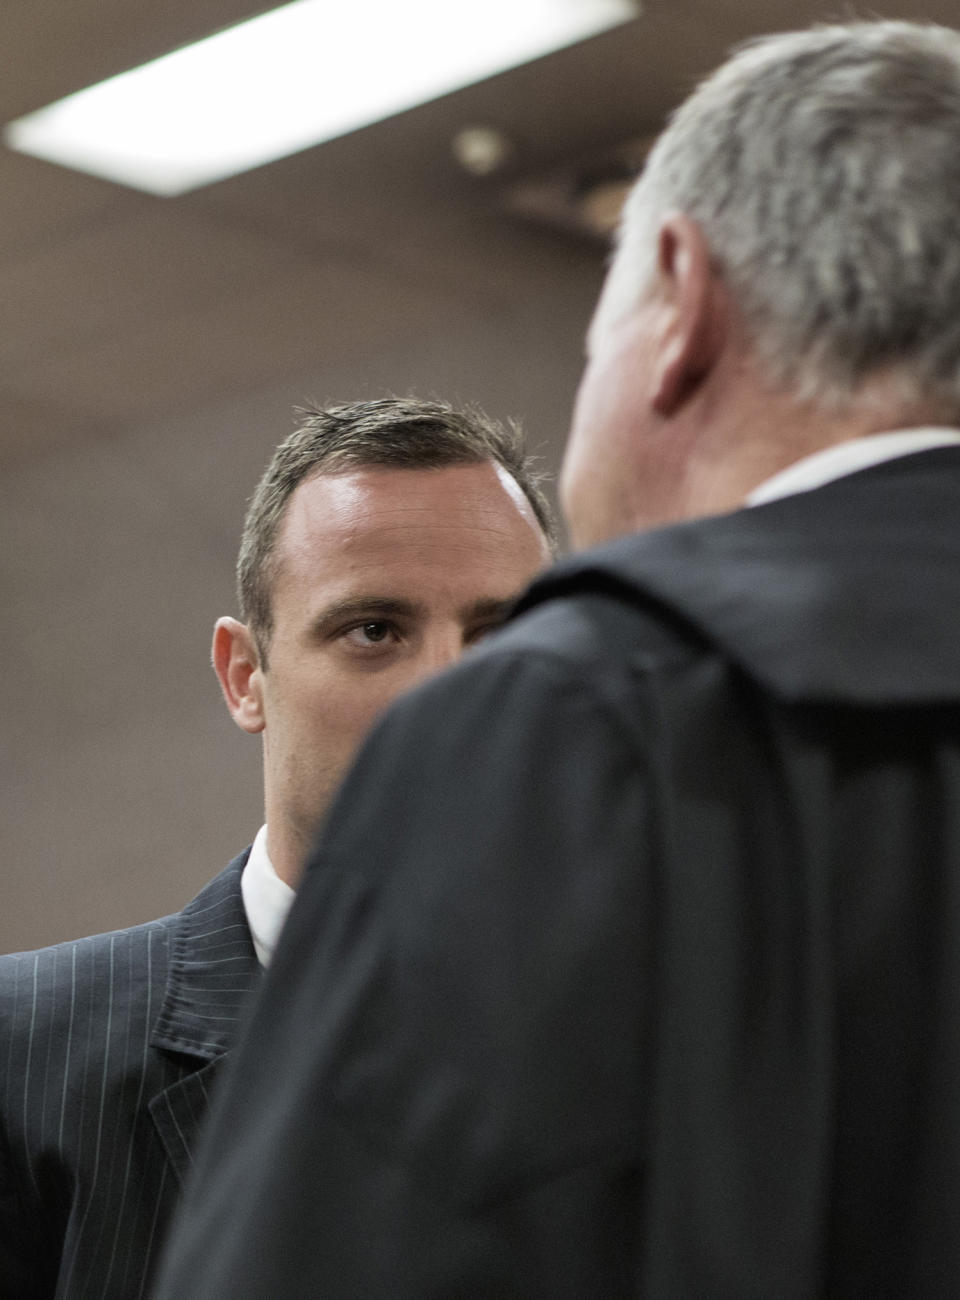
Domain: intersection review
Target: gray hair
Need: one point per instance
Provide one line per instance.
(823, 168)
(391, 432)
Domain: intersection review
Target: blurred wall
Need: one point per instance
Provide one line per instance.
(124, 784)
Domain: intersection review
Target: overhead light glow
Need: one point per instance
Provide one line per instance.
(291, 78)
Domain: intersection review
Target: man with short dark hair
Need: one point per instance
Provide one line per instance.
(383, 538)
(393, 534)
(683, 1020)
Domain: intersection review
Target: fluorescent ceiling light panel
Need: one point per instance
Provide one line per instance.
(292, 78)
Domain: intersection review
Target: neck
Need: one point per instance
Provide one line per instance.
(739, 444)
(287, 851)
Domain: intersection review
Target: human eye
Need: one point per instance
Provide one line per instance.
(372, 634)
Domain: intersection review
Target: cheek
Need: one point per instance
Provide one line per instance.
(588, 456)
(315, 742)
(316, 729)
(365, 708)
(345, 713)
(575, 451)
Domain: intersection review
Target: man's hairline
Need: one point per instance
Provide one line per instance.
(271, 566)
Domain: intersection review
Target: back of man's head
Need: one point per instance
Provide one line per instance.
(389, 433)
(821, 167)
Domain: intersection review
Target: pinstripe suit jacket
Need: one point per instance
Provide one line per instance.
(108, 1051)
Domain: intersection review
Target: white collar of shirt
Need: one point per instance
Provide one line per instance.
(846, 458)
(266, 898)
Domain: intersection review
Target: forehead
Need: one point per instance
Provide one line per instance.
(384, 520)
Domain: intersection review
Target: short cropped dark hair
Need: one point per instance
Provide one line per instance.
(401, 433)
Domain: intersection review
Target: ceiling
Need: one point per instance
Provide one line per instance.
(153, 351)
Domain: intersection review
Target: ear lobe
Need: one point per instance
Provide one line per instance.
(693, 318)
(236, 662)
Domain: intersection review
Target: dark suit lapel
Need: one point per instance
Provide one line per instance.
(213, 970)
(177, 1112)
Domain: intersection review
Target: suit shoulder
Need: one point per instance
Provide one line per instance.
(604, 631)
(129, 935)
(58, 976)
(592, 658)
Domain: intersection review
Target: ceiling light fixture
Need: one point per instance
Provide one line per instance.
(291, 78)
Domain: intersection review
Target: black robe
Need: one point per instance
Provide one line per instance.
(629, 963)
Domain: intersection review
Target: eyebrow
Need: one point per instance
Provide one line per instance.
(374, 607)
(490, 609)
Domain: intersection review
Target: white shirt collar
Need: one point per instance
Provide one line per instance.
(266, 898)
(846, 458)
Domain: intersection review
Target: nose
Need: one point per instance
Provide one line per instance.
(442, 646)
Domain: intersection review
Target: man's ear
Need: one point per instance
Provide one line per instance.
(694, 313)
(236, 661)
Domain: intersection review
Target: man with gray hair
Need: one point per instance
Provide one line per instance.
(684, 1021)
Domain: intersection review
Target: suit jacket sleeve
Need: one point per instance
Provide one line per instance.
(408, 1116)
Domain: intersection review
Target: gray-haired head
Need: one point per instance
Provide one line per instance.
(393, 433)
(823, 168)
